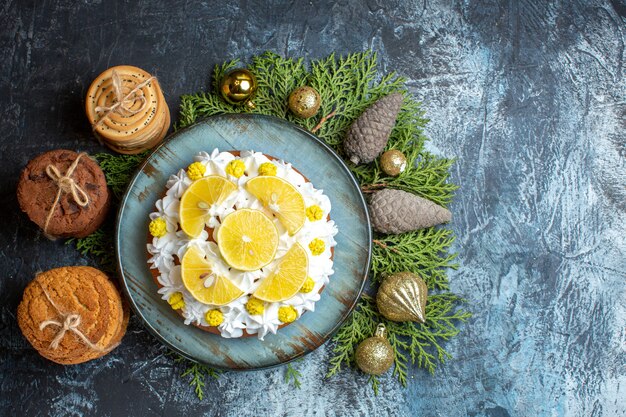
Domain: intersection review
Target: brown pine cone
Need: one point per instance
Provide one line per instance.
(396, 211)
(368, 135)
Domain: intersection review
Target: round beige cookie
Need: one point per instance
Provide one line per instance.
(79, 307)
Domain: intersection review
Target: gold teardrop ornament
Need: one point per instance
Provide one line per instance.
(402, 297)
(375, 355)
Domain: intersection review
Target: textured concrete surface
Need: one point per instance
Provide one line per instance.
(528, 95)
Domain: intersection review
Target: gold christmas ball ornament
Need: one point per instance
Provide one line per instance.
(238, 87)
(402, 297)
(393, 162)
(375, 355)
(304, 102)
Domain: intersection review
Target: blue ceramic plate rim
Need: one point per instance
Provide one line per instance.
(140, 171)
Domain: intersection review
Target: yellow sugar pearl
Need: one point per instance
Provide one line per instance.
(196, 171)
(317, 246)
(158, 227)
(314, 213)
(308, 285)
(287, 314)
(267, 168)
(255, 306)
(176, 301)
(236, 168)
(214, 317)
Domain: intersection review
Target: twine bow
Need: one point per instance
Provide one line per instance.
(65, 184)
(123, 103)
(68, 323)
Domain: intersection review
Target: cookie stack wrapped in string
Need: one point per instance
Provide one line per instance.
(127, 110)
(72, 314)
(64, 193)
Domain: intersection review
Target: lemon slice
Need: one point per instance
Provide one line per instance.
(203, 284)
(198, 199)
(287, 279)
(282, 198)
(247, 239)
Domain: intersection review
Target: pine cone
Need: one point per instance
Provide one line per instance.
(368, 135)
(396, 211)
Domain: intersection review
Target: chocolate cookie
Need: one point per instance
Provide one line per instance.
(83, 202)
(72, 314)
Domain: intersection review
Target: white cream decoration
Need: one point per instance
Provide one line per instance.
(166, 251)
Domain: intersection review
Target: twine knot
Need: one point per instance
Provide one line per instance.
(70, 323)
(65, 184)
(122, 104)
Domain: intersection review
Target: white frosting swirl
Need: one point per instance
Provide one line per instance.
(167, 249)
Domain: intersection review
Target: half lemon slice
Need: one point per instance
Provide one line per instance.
(203, 284)
(282, 198)
(196, 202)
(287, 279)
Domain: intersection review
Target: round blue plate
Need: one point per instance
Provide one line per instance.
(313, 159)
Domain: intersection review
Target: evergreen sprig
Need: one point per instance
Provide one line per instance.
(292, 375)
(423, 252)
(99, 245)
(347, 86)
(197, 374)
(119, 169)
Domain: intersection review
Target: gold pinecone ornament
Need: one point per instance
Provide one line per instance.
(396, 211)
(375, 355)
(368, 135)
(402, 297)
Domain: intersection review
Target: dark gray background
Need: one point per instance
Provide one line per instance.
(528, 95)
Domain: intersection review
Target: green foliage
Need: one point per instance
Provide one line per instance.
(347, 86)
(292, 374)
(358, 327)
(99, 245)
(197, 374)
(423, 252)
(414, 343)
(119, 169)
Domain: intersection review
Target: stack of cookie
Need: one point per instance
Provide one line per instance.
(72, 314)
(64, 193)
(127, 110)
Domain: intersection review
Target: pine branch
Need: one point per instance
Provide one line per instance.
(359, 326)
(197, 374)
(423, 252)
(418, 344)
(119, 169)
(292, 374)
(373, 380)
(98, 245)
(426, 176)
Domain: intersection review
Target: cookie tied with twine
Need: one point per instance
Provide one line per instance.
(64, 193)
(72, 314)
(127, 109)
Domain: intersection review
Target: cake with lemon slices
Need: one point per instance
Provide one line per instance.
(241, 243)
